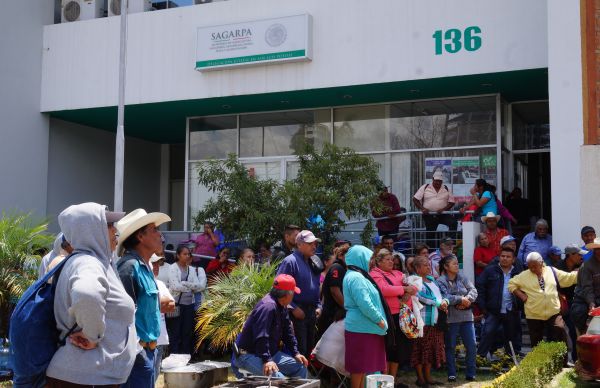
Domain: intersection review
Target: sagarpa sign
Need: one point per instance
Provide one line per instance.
(285, 39)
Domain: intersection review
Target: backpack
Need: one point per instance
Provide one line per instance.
(34, 337)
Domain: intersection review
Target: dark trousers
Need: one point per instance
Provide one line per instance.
(306, 329)
(555, 326)
(509, 322)
(432, 221)
(181, 330)
(56, 383)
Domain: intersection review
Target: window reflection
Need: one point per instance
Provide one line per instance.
(212, 137)
(283, 133)
(531, 125)
(417, 125)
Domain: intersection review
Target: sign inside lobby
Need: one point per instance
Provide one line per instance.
(285, 39)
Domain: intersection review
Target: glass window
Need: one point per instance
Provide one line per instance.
(283, 133)
(362, 128)
(531, 125)
(443, 123)
(417, 125)
(212, 137)
(264, 170)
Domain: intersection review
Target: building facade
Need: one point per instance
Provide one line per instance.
(474, 88)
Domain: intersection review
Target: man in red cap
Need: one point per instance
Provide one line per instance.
(257, 347)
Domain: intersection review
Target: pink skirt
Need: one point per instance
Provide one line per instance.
(365, 353)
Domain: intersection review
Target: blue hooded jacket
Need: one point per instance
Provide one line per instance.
(361, 299)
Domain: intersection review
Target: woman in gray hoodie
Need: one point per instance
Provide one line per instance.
(102, 348)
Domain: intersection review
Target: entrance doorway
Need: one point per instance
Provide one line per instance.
(529, 161)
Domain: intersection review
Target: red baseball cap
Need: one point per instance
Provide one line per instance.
(285, 282)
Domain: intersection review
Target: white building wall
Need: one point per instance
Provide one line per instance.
(566, 119)
(354, 42)
(23, 129)
(81, 168)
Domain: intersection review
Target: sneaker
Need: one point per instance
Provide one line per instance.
(451, 379)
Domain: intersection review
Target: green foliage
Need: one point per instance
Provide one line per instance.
(245, 207)
(21, 239)
(537, 368)
(336, 184)
(230, 300)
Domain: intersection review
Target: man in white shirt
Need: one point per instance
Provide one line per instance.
(167, 304)
(433, 199)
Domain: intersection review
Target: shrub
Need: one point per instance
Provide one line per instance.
(537, 368)
(230, 300)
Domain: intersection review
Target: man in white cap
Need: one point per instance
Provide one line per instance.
(434, 199)
(304, 266)
(139, 239)
(493, 232)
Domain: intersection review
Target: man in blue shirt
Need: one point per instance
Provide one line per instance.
(538, 241)
(588, 234)
(139, 239)
(306, 269)
(257, 347)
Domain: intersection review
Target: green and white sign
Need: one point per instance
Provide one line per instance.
(285, 39)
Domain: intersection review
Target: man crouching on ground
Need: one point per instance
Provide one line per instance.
(257, 347)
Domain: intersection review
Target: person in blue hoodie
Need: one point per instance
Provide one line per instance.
(366, 318)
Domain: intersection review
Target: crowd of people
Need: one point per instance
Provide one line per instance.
(123, 307)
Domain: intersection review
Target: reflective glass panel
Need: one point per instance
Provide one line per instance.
(283, 133)
(212, 137)
(531, 125)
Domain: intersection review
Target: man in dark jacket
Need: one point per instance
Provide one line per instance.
(500, 307)
(257, 347)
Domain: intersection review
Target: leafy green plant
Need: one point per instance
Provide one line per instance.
(335, 184)
(537, 368)
(21, 239)
(230, 300)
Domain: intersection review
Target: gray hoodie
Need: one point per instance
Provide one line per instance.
(90, 294)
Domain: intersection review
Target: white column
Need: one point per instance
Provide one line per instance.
(164, 180)
(566, 118)
(470, 230)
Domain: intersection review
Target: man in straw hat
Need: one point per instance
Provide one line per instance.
(493, 232)
(139, 239)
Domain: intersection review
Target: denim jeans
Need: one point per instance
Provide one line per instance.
(466, 330)
(142, 374)
(510, 326)
(288, 366)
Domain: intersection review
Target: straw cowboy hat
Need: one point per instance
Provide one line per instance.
(135, 220)
(593, 245)
(490, 215)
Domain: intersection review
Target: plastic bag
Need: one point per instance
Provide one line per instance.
(331, 348)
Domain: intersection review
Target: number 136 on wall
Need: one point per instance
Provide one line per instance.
(453, 40)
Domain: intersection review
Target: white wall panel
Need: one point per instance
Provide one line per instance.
(355, 42)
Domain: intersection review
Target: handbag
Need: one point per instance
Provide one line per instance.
(406, 319)
(562, 298)
(408, 322)
(177, 311)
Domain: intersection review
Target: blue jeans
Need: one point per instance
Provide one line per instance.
(306, 329)
(509, 322)
(142, 374)
(466, 330)
(288, 366)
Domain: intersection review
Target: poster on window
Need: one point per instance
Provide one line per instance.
(438, 164)
(465, 171)
(488, 168)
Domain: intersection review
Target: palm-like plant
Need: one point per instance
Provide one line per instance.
(21, 239)
(230, 300)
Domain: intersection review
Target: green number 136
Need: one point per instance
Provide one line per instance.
(453, 40)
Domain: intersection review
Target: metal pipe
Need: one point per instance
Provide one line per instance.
(120, 138)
